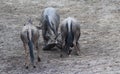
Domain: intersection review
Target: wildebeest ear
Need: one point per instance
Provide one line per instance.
(30, 21)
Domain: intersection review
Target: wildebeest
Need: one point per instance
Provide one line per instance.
(70, 33)
(29, 37)
(50, 20)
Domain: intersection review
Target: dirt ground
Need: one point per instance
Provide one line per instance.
(99, 42)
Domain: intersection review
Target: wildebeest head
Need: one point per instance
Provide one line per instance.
(54, 41)
(50, 22)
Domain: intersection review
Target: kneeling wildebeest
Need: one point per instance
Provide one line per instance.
(30, 37)
(50, 22)
(70, 32)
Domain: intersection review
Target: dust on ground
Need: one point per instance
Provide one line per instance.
(99, 42)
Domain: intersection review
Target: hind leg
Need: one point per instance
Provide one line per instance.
(76, 47)
(63, 46)
(44, 36)
(76, 43)
(46, 39)
(26, 56)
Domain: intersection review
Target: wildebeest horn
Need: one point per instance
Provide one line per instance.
(39, 27)
(57, 36)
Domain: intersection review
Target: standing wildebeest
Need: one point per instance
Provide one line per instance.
(70, 32)
(29, 37)
(50, 22)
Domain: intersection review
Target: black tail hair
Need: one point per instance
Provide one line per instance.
(30, 45)
(48, 23)
(69, 39)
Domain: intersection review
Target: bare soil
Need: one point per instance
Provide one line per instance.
(99, 42)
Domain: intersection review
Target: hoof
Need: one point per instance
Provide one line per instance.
(39, 59)
(34, 66)
(26, 67)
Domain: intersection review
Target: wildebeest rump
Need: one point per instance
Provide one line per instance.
(30, 37)
(50, 20)
(70, 32)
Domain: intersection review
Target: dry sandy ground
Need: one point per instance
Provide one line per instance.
(99, 42)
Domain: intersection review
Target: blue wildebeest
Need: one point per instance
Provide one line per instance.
(30, 37)
(50, 20)
(70, 33)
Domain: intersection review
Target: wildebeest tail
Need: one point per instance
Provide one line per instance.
(49, 24)
(30, 44)
(69, 38)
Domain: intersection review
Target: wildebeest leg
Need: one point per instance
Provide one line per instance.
(61, 55)
(26, 55)
(78, 49)
(44, 37)
(63, 46)
(75, 44)
(38, 52)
